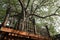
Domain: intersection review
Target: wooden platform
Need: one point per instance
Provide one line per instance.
(18, 33)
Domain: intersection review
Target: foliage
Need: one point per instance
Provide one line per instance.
(43, 8)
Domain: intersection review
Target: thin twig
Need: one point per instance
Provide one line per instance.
(39, 6)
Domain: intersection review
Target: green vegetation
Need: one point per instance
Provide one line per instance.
(46, 12)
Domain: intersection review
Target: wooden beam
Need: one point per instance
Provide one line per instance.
(24, 34)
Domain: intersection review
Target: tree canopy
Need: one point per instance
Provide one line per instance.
(46, 12)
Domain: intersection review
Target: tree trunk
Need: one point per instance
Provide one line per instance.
(6, 17)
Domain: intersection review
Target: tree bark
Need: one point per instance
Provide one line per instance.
(6, 16)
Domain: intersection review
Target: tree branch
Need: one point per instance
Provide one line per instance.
(27, 4)
(6, 16)
(45, 16)
(31, 10)
(21, 4)
(39, 6)
(54, 14)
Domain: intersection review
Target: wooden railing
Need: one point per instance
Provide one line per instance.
(23, 34)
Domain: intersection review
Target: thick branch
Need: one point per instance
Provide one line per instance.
(21, 3)
(45, 16)
(31, 10)
(27, 4)
(6, 16)
(54, 14)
